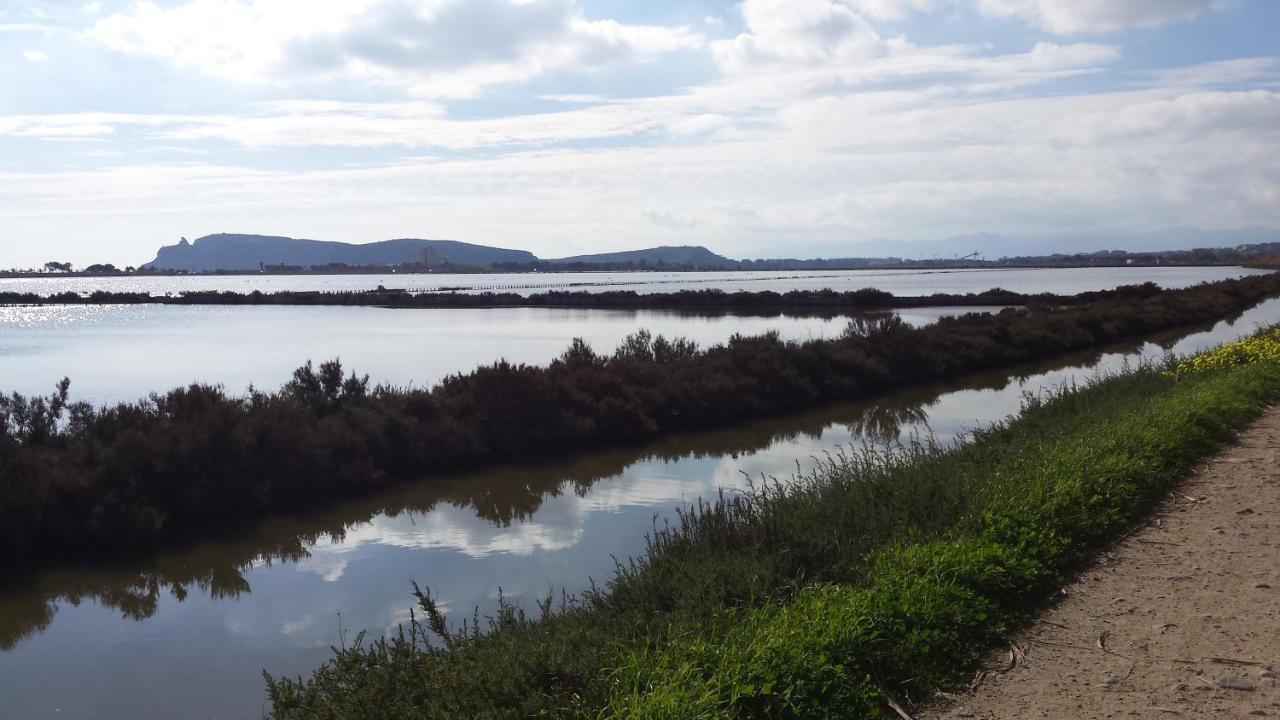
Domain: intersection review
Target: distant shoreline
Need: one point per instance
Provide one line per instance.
(391, 270)
(808, 302)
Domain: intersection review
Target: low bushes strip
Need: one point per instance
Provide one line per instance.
(77, 480)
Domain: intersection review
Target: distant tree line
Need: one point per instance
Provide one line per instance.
(432, 262)
(77, 480)
(807, 301)
(66, 268)
(1269, 262)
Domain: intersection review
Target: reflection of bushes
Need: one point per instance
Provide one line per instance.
(877, 576)
(501, 495)
(135, 590)
(77, 480)
(22, 614)
(884, 423)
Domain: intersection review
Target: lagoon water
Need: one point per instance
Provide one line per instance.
(114, 353)
(187, 633)
(123, 352)
(899, 282)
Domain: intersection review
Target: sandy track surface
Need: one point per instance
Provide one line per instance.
(1182, 618)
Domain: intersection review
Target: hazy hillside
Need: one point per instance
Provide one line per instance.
(250, 252)
(993, 246)
(686, 255)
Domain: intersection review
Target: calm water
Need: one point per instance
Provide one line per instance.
(187, 634)
(124, 352)
(899, 282)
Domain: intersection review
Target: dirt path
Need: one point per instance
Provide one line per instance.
(1180, 619)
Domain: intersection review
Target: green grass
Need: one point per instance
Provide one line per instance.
(928, 606)
(878, 575)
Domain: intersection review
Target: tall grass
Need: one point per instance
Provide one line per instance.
(925, 605)
(877, 575)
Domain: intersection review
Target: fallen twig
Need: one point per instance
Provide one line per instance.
(1102, 645)
(1206, 682)
(893, 704)
(976, 682)
(1065, 645)
(1233, 661)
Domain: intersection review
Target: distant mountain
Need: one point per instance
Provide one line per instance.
(993, 246)
(251, 252)
(683, 255)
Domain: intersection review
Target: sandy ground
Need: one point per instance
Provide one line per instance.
(1182, 618)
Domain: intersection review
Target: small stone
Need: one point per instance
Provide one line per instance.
(1235, 683)
(1263, 586)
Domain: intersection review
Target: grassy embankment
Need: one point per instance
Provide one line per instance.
(77, 480)
(877, 579)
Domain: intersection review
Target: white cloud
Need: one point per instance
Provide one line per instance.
(35, 56)
(1257, 71)
(1057, 16)
(743, 104)
(893, 9)
(1067, 17)
(1190, 117)
(797, 32)
(82, 125)
(830, 170)
(228, 38)
(1051, 56)
(805, 47)
(436, 48)
(818, 131)
(25, 27)
(293, 627)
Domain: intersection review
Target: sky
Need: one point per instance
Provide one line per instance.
(762, 128)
